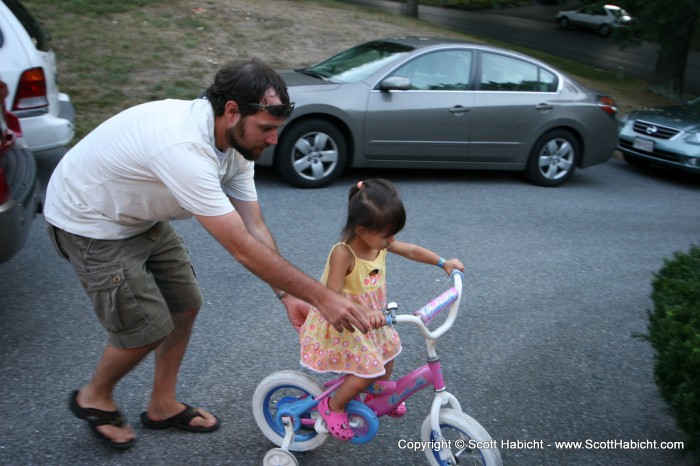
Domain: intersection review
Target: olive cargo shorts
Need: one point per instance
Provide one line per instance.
(134, 283)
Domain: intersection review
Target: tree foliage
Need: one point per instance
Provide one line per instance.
(670, 24)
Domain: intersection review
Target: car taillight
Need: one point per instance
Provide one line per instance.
(4, 187)
(31, 91)
(607, 104)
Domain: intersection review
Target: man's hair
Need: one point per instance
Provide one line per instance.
(375, 205)
(245, 82)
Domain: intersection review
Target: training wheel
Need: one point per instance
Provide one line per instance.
(279, 457)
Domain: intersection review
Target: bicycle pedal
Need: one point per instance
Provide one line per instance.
(320, 426)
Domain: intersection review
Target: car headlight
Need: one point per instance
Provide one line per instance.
(693, 138)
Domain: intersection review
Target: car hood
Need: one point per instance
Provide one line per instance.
(296, 79)
(676, 116)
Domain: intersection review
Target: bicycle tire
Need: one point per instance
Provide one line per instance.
(469, 432)
(277, 387)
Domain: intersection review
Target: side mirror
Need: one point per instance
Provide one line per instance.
(395, 83)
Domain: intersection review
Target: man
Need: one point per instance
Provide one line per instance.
(107, 208)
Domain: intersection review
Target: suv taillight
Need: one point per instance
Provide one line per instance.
(31, 91)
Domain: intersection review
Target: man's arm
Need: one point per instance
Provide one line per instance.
(251, 214)
(255, 250)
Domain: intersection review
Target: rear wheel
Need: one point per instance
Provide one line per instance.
(311, 154)
(275, 390)
(604, 30)
(564, 22)
(553, 158)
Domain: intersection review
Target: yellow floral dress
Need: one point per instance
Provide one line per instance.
(324, 349)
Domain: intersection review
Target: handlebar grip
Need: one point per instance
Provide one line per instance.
(428, 312)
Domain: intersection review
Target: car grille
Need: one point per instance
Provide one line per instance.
(653, 130)
(657, 154)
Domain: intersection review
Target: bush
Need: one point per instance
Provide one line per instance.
(674, 332)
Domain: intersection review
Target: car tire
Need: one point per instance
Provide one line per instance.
(564, 22)
(553, 158)
(311, 153)
(635, 161)
(605, 30)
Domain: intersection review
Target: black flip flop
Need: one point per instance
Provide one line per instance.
(98, 417)
(179, 421)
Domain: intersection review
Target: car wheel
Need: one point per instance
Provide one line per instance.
(553, 159)
(311, 154)
(635, 161)
(564, 22)
(604, 30)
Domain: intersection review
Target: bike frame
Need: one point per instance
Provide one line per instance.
(386, 393)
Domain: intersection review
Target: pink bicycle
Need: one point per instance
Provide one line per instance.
(284, 403)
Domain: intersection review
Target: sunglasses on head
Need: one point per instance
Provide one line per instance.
(277, 111)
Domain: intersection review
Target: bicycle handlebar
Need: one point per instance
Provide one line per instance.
(423, 316)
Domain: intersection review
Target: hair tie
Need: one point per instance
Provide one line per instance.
(359, 185)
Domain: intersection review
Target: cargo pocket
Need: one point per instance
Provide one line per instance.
(112, 298)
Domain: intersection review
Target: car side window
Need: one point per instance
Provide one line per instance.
(447, 70)
(504, 73)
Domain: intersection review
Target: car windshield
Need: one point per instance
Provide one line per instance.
(355, 64)
(618, 13)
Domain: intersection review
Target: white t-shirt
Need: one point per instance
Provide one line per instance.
(153, 162)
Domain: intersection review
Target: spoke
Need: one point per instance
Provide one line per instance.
(320, 141)
(317, 170)
(303, 146)
(302, 164)
(551, 147)
(545, 161)
(565, 149)
(329, 156)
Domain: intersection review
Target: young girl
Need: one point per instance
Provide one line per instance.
(356, 267)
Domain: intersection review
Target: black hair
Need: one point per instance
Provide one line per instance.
(375, 205)
(245, 81)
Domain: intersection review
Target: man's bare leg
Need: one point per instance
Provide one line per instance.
(169, 355)
(115, 364)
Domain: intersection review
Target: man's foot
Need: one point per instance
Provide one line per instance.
(108, 426)
(189, 419)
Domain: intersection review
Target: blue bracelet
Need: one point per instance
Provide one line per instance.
(441, 262)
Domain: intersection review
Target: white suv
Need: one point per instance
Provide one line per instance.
(28, 66)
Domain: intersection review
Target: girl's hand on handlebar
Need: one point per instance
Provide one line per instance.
(376, 318)
(453, 264)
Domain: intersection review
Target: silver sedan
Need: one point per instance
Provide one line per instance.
(439, 104)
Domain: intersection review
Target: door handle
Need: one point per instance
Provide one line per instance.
(544, 106)
(459, 109)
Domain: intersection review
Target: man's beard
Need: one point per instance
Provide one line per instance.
(235, 137)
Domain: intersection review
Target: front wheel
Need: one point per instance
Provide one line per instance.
(564, 22)
(468, 441)
(311, 154)
(275, 390)
(553, 158)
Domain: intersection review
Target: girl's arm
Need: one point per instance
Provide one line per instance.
(340, 264)
(426, 256)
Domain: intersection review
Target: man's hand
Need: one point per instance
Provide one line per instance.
(346, 315)
(297, 310)
(342, 313)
